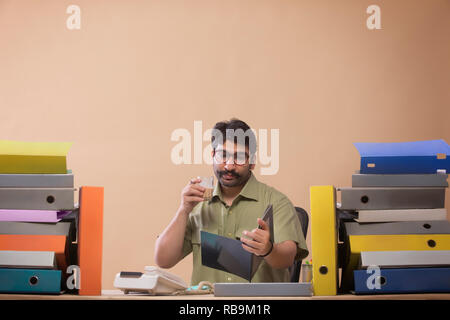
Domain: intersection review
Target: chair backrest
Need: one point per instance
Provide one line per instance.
(304, 221)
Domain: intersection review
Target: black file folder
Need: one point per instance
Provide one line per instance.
(227, 254)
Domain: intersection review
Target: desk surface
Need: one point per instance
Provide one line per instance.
(119, 295)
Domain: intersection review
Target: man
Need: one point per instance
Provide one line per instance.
(235, 211)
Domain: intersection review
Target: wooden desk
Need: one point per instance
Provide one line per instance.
(118, 295)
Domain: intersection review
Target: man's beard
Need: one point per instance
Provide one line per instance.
(237, 179)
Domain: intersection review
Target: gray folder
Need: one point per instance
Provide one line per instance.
(391, 259)
(399, 180)
(272, 289)
(391, 198)
(37, 198)
(36, 180)
(27, 259)
(391, 228)
(31, 228)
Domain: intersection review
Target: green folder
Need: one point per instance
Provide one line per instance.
(33, 157)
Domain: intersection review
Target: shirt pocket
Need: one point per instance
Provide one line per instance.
(196, 235)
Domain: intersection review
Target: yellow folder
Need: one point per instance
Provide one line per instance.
(403, 242)
(19, 157)
(324, 240)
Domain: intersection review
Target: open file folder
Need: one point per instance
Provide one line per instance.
(227, 254)
(404, 157)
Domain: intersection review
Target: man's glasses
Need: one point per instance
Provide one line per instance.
(238, 158)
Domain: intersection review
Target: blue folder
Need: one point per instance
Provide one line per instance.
(30, 281)
(419, 157)
(409, 280)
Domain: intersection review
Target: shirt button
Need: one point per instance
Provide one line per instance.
(230, 212)
(229, 278)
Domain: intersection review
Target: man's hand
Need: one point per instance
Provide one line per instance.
(191, 195)
(259, 242)
(169, 245)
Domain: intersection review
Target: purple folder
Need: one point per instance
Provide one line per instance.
(32, 215)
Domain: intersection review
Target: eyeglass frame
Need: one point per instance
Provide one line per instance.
(229, 156)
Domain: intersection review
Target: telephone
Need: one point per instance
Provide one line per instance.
(153, 280)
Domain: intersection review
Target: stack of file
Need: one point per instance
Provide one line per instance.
(400, 240)
(38, 218)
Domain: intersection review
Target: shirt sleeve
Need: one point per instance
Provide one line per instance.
(287, 226)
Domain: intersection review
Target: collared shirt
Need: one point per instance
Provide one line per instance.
(215, 216)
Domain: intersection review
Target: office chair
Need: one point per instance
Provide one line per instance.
(294, 270)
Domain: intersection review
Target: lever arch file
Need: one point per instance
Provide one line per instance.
(419, 157)
(399, 180)
(324, 240)
(402, 242)
(391, 198)
(30, 281)
(413, 280)
(37, 198)
(90, 240)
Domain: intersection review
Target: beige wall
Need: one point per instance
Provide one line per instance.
(137, 70)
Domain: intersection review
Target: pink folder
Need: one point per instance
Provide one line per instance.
(32, 215)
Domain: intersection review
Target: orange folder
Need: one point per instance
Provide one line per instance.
(27, 242)
(90, 240)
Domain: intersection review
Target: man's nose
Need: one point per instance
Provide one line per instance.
(229, 165)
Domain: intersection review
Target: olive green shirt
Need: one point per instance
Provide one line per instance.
(216, 217)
